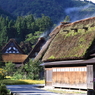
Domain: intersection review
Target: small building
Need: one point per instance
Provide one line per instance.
(69, 55)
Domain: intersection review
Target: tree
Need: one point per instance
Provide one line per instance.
(44, 23)
(10, 68)
(33, 37)
(33, 69)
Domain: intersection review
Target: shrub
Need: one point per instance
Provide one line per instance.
(2, 73)
(3, 90)
(17, 76)
(10, 68)
(33, 70)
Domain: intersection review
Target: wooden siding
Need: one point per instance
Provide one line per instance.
(48, 77)
(14, 57)
(70, 77)
(90, 76)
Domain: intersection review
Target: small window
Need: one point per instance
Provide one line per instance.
(14, 52)
(10, 52)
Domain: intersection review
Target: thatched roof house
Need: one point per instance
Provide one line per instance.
(68, 55)
(11, 52)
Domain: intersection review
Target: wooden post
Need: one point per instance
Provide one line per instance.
(90, 79)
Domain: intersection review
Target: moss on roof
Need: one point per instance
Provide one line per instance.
(73, 44)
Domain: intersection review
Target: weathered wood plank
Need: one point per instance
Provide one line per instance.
(90, 77)
(70, 77)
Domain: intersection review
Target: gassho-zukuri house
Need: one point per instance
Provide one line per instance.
(69, 55)
(12, 52)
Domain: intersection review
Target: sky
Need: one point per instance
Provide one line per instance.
(92, 1)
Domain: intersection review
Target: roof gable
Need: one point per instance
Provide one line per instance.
(12, 47)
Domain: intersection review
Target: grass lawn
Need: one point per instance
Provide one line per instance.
(13, 82)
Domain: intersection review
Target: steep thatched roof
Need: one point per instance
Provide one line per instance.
(13, 41)
(72, 41)
(11, 52)
(36, 49)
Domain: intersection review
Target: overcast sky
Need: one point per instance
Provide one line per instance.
(92, 1)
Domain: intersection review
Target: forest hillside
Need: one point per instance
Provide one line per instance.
(55, 9)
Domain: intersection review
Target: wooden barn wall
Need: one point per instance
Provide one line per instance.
(71, 77)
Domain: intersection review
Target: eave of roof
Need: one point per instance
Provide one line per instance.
(14, 58)
(71, 62)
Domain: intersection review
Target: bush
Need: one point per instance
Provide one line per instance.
(3, 90)
(33, 69)
(10, 68)
(17, 76)
(2, 73)
(30, 70)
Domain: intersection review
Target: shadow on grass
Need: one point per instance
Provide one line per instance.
(12, 82)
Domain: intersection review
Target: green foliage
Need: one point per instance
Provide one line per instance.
(30, 70)
(2, 73)
(10, 68)
(21, 81)
(4, 90)
(17, 76)
(51, 57)
(23, 28)
(67, 19)
(55, 9)
(33, 37)
(33, 69)
(3, 31)
(12, 82)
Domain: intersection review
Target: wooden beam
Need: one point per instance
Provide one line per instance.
(90, 79)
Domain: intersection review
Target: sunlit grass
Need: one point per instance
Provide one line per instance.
(13, 82)
(34, 81)
(67, 92)
(8, 77)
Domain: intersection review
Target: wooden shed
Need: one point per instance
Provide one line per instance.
(69, 55)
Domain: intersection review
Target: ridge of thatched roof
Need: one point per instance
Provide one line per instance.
(36, 49)
(73, 41)
(46, 45)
